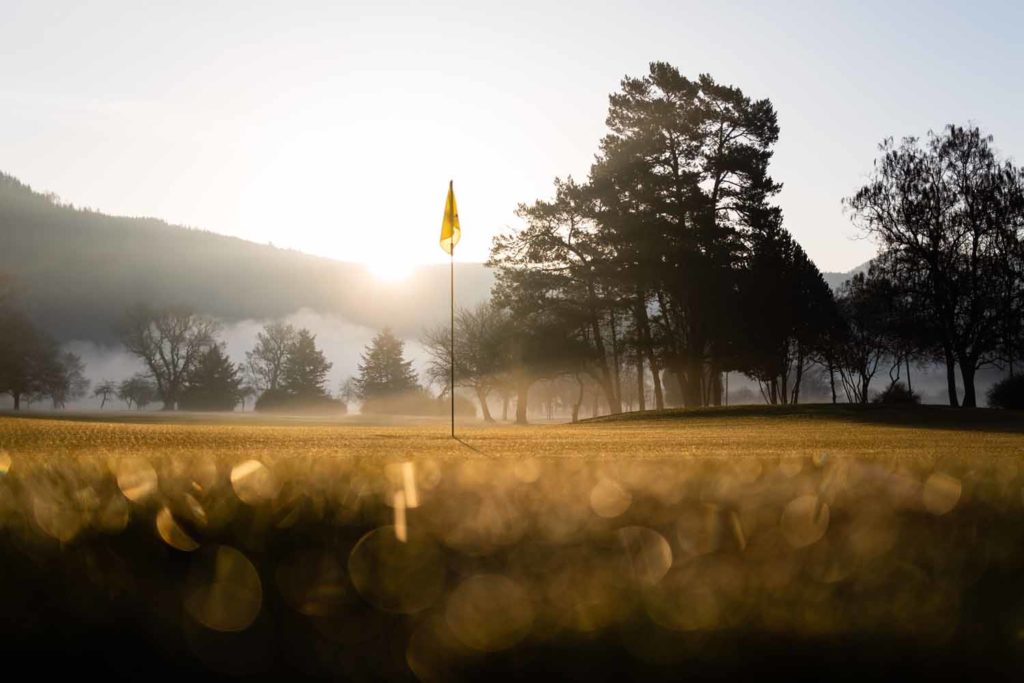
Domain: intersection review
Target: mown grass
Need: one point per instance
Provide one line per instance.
(710, 543)
(745, 431)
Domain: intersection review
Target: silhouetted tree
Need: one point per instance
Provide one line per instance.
(170, 342)
(246, 392)
(213, 383)
(61, 377)
(864, 303)
(348, 391)
(558, 263)
(104, 390)
(649, 253)
(383, 370)
(679, 177)
(786, 310)
(138, 391)
(27, 356)
(948, 215)
(481, 352)
(265, 363)
(304, 372)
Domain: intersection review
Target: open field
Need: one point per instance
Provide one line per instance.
(705, 543)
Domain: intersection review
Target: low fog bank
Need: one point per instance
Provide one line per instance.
(341, 341)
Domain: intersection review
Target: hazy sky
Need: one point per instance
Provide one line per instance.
(333, 127)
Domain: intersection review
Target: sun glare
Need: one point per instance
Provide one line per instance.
(390, 270)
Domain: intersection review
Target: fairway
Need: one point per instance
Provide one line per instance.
(928, 435)
(241, 545)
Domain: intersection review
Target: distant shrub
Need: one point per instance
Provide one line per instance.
(897, 394)
(1008, 393)
(419, 403)
(280, 401)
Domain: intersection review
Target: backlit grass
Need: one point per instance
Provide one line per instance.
(244, 545)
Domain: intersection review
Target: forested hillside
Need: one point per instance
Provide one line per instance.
(76, 271)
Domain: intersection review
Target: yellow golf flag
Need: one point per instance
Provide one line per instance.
(450, 230)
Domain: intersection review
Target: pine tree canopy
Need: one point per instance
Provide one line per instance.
(304, 374)
(214, 383)
(383, 370)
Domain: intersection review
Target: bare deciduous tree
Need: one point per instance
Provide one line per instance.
(481, 337)
(104, 391)
(138, 391)
(265, 363)
(169, 341)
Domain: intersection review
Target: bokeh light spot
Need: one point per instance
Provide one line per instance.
(136, 478)
(253, 482)
(172, 533)
(395, 575)
(941, 493)
(489, 612)
(608, 499)
(805, 520)
(225, 590)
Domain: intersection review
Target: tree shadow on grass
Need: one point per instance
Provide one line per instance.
(918, 417)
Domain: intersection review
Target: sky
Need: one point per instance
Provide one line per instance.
(334, 127)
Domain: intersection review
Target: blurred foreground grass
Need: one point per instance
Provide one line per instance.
(659, 545)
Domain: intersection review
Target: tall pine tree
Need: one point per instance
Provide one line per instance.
(304, 374)
(213, 383)
(384, 371)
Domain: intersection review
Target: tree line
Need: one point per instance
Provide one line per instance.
(671, 262)
(187, 367)
(32, 366)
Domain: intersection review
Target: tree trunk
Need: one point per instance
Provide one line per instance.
(579, 401)
(967, 370)
(640, 389)
(606, 375)
(608, 389)
(716, 384)
(832, 379)
(690, 382)
(659, 392)
(799, 377)
(643, 322)
(522, 394)
(481, 396)
(865, 383)
(951, 379)
(17, 400)
(617, 374)
(910, 387)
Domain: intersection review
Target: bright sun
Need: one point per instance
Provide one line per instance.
(390, 270)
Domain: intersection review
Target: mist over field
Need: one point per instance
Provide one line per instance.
(343, 343)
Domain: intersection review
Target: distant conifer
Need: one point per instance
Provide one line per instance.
(304, 375)
(384, 371)
(214, 383)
